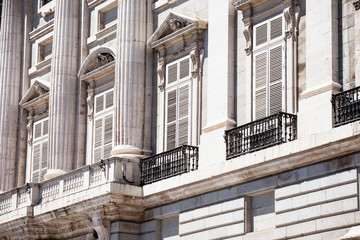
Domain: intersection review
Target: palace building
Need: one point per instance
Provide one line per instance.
(180, 119)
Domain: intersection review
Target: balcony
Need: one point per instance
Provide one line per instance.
(346, 106)
(167, 164)
(266, 132)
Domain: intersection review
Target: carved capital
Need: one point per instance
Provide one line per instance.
(197, 59)
(248, 37)
(161, 75)
(357, 5)
(288, 16)
(29, 128)
(90, 102)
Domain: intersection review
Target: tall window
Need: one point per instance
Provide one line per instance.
(104, 118)
(178, 108)
(268, 83)
(40, 149)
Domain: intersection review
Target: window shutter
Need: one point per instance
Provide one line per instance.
(109, 99)
(37, 130)
(36, 162)
(44, 159)
(172, 73)
(275, 79)
(108, 135)
(184, 68)
(45, 127)
(183, 115)
(260, 84)
(171, 119)
(98, 139)
(99, 103)
(261, 34)
(276, 28)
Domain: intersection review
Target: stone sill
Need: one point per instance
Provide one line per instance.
(42, 30)
(41, 66)
(308, 150)
(102, 34)
(160, 4)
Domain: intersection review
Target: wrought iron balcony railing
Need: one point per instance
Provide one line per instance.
(170, 163)
(273, 130)
(346, 106)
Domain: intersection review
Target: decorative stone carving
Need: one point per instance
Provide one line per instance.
(39, 90)
(248, 37)
(101, 59)
(90, 102)
(48, 11)
(176, 24)
(357, 5)
(288, 14)
(29, 128)
(161, 74)
(289, 24)
(197, 58)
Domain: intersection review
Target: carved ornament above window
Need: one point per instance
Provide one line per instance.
(100, 60)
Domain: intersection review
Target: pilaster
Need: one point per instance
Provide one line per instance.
(10, 72)
(63, 89)
(130, 80)
(357, 42)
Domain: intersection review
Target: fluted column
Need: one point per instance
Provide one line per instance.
(63, 88)
(10, 63)
(130, 79)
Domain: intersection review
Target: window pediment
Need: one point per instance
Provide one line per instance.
(36, 95)
(174, 28)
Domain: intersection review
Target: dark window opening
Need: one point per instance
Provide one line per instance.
(45, 2)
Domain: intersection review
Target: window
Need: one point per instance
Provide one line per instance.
(40, 149)
(45, 2)
(178, 108)
(103, 120)
(268, 82)
(45, 50)
(107, 18)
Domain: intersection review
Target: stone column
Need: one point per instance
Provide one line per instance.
(130, 79)
(63, 88)
(10, 72)
(357, 42)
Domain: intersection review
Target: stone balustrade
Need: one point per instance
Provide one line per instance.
(86, 177)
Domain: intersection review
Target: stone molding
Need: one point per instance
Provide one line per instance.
(248, 37)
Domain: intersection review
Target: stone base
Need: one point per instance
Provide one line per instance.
(51, 173)
(129, 152)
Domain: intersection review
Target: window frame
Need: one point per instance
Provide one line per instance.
(102, 114)
(266, 47)
(176, 86)
(41, 140)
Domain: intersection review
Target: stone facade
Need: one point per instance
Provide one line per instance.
(181, 119)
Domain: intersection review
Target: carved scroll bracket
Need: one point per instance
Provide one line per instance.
(161, 74)
(248, 37)
(197, 59)
(29, 128)
(292, 17)
(90, 102)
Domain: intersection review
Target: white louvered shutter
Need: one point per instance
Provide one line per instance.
(171, 120)
(36, 162)
(260, 85)
(184, 68)
(108, 130)
(275, 79)
(98, 139)
(261, 34)
(172, 73)
(103, 125)
(268, 67)
(183, 115)
(40, 149)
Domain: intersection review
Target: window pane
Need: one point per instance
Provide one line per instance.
(171, 133)
(260, 70)
(183, 131)
(99, 103)
(276, 64)
(184, 68)
(276, 28)
(184, 102)
(171, 107)
(172, 73)
(275, 98)
(109, 99)
(260, 103)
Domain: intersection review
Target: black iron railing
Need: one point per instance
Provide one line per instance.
(346, 106)
(275, 129)
(170, 163)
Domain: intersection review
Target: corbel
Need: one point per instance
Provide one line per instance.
(29, 128)
(161, 73)
(90, 102)
(248, 37)
(197, 60)
(288, 16)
